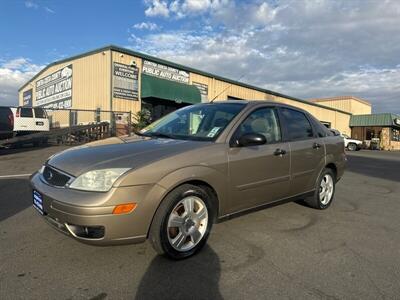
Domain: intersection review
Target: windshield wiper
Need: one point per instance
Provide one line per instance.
(160, 134)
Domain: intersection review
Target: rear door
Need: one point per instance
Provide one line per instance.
(41, 121)
(307, 150)
(259, 174)
(24, 120)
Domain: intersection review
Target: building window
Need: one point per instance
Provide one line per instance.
(395, 135)
(234, 98)
(326, 124)
(369, 134)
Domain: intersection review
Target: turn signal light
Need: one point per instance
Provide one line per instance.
(124, 208)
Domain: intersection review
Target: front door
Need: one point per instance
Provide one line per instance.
(307, 151)
(259, 174)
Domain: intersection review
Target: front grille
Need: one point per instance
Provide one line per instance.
(54, 177)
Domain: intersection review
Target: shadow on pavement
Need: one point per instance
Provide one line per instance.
(24, 148)
(380, 168)
(15, 196)
(193, 278)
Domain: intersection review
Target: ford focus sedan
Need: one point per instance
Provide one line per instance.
(196, 166)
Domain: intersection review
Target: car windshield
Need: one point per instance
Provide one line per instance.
(202, 122)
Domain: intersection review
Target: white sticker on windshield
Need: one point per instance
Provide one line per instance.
(213, 132)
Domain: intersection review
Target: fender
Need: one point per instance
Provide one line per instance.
(198, 173)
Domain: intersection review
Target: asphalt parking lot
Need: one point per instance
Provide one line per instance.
(351, 250)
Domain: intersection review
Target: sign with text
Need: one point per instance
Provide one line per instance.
(165, 72)
(203, 88)
(125, 81)
(55, 90)
(27, 98)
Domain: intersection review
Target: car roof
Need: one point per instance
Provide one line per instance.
(251, 103)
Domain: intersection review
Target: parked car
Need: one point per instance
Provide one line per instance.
(6, 123)
(199, 165)
(351, 144)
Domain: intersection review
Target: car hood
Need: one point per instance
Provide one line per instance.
(354, 141)
(118, 153)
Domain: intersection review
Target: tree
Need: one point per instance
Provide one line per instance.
(141, 119)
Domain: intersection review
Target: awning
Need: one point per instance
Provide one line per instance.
(384, 120)
(169, 90)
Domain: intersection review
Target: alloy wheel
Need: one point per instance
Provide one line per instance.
(326, 189)
(187, 223)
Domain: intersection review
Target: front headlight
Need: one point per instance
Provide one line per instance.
(97, 180)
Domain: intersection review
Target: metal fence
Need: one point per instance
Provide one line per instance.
(120, 122)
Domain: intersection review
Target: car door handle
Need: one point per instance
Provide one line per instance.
(279, 152)
(316, 146)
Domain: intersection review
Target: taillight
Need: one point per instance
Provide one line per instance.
(11, 119)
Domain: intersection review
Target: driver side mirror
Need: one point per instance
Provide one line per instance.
(251, 139)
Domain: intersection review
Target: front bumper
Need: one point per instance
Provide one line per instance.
(87, 216)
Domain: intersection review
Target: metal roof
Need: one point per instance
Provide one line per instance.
(178, 66)
(385, 119)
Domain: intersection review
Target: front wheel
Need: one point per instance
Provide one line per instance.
(182, 223)
(352, 147)
(325, 190)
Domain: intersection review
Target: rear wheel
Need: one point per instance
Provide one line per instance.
(182, 223)
(325, 190)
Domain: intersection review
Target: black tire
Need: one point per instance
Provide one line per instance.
(352, 147)
(315, 201)
(158, 234)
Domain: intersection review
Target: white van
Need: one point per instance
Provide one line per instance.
(29, 120)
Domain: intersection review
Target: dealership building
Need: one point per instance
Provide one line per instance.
(117, 79)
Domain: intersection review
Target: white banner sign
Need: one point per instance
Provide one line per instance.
(55, 90)
(165, 72)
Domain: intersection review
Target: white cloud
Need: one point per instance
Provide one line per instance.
(182, 8)
(306, 49)
(13, 74)
(147, 26)
(157, 8)
(31, 4)
(49, 10)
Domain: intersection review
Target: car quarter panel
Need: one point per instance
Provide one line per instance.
(335, 153)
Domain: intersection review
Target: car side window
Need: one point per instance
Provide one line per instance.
(297, 124)
(262, 121)
(26, 112)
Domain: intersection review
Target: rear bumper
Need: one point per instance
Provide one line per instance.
(93, 223)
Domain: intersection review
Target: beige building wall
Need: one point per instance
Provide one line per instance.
(354, 105)
(92, 84)
(90, 87)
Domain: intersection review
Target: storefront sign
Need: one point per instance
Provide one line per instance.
(165, 72)
(203, 88)
(125, 81)
(27, 98)
(55, 90)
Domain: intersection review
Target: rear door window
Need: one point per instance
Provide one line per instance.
(297, 124)
(40, 113)
(26, 112)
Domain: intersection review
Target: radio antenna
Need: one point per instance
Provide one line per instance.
(225, 89)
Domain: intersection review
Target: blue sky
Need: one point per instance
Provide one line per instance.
(305, 49)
